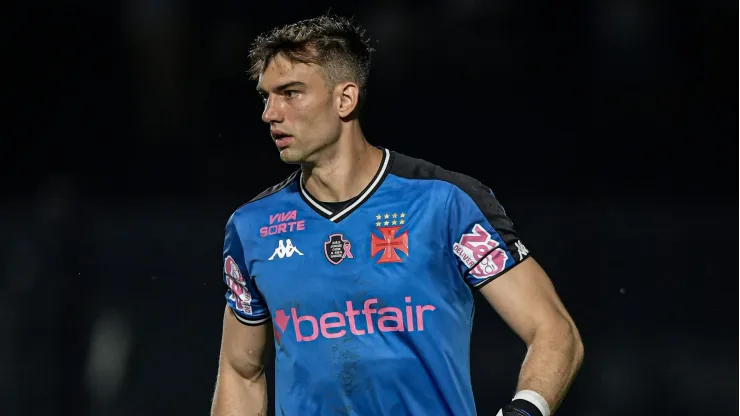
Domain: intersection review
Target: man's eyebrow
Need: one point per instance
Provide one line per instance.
(283, 87)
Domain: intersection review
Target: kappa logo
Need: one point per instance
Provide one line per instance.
(337, 249)
(388, 225)
(283, 222)
(481, 253)
(523, 251)
(285, 249)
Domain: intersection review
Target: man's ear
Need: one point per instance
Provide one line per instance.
(348, 95)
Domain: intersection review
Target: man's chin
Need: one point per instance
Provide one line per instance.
(290, 156)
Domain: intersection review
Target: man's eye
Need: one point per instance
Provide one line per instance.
(290, 93)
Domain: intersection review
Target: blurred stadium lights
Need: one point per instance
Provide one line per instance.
(110, 347)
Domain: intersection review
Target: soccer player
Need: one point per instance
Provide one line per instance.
(360, 267)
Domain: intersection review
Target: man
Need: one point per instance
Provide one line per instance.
(366, 260)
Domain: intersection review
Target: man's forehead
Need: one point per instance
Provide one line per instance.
(280, 70)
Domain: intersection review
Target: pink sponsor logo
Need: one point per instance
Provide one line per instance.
(481, 253)
(337, 324)
(283, 222)
(235, 281)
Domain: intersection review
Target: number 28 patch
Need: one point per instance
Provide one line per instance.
(481, 253)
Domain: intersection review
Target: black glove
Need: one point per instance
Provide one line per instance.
(520, 407)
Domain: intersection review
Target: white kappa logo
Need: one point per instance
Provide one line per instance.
(286, 249)
(521, 249)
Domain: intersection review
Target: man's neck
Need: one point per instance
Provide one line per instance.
(344, 170)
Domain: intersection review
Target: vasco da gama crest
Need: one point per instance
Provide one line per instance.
(337, 249)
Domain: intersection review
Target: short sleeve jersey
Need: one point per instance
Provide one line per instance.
(372, 303)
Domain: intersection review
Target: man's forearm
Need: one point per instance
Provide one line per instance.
(553, 359)
(238, 396)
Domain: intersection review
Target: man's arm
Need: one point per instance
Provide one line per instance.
(526, 299)
(490, 256)
(241, 388)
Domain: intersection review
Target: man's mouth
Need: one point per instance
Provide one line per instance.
(282, 139)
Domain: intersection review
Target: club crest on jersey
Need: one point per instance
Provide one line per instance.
(337, 249)
(389, 224)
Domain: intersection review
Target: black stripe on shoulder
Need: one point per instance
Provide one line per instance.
(412, 168)
(273, 189)
(276, 188)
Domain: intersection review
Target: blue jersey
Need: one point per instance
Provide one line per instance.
(371, 302)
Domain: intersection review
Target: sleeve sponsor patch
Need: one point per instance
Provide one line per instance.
(239, 291)
(481, 253)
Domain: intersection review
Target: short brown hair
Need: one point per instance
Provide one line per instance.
(334, 43)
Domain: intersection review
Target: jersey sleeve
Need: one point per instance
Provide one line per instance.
(482, 236)
(242, 296)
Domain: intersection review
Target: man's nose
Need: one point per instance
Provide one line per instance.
(271, 114)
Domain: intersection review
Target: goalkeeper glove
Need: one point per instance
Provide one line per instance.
(520, 407)
(526, 403)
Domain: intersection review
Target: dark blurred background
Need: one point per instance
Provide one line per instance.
(608, 129)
